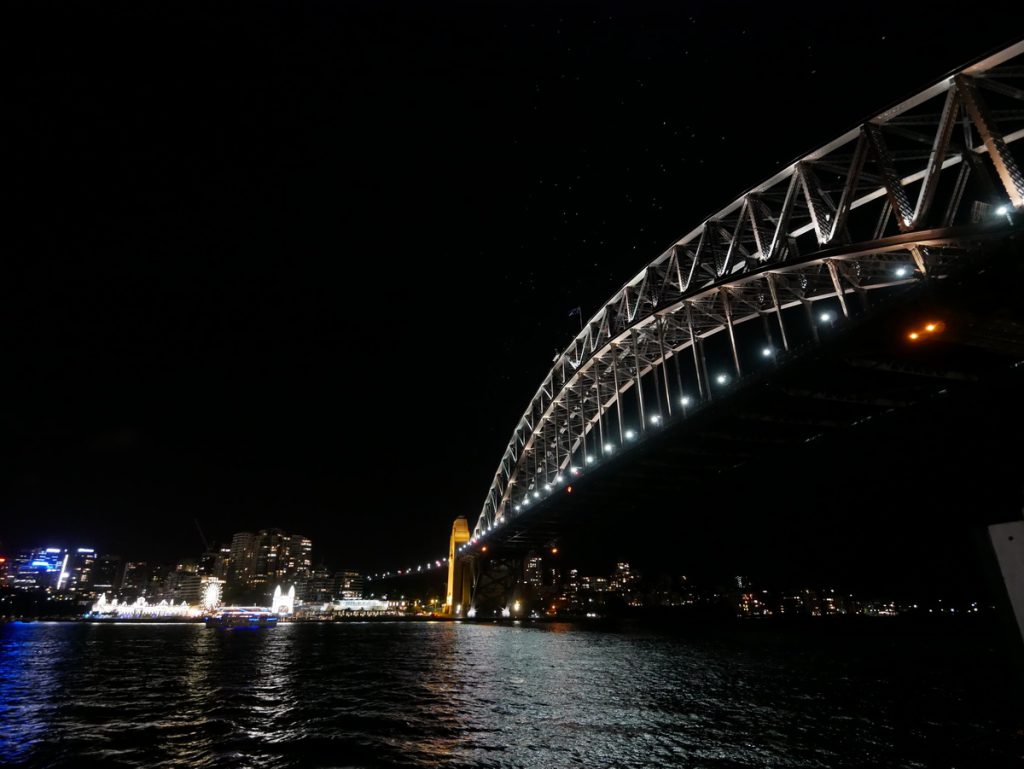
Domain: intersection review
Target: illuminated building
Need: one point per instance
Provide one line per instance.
(622, 580)
(349, 585)
(39, 568)
(269, 556)
(76, 575)
(297, 558)
(216, 563)
(534, 571)
(243, 556)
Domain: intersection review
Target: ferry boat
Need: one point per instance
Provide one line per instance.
(241, 617)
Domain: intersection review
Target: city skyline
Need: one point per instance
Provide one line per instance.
(211, 379)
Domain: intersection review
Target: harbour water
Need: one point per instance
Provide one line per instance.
(452, 695)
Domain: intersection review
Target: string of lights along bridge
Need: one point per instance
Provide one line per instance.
(927, 188)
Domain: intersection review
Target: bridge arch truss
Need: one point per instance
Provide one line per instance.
(900, 199)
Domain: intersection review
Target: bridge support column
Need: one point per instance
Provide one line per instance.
(664, 366)
(698, 357)
(778, 309)
(833, 271)
(458, 595)
(495, 584)
(732, 336)
(636, 375)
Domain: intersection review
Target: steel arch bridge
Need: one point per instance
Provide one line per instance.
(901, 199)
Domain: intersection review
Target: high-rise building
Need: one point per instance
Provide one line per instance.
(77, 573)
(216, 563)
(135, 580)
(299, 556)
(349, 584)
(39, 568)
(534, 571)
(243, 556)
(318, 587)
(269, 557)
(106, 575)
(623, 579)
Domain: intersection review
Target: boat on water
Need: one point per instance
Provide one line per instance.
(241, 617)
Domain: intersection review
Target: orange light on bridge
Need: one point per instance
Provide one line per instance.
(483, 549)
(568, 489)
(931, 327)
(554, 551)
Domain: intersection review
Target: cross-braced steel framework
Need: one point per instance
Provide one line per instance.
(902, 198)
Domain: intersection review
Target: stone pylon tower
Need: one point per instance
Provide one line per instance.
(459, 577)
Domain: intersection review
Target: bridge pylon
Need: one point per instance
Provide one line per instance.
(460, 578)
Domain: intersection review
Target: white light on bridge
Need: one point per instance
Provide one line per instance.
(559, 478)
(608, 448)
(630, 435)
(517, 508)
(536, 495)
(901, 272)
(825, 317)
(685, 400)
(590, 460)
(656, 419)
(767, 352)
(1002, 211)
(547, 487)
(722, 378)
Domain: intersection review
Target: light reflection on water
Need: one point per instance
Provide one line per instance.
(442, 694)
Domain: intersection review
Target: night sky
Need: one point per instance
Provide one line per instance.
(304, 266)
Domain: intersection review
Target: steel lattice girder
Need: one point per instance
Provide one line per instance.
(831, 224)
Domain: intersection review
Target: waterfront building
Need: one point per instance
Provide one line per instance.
(243, 556)
(350, 585)
(76, 576)
(39, 568)
(134, 580)
(106, 575)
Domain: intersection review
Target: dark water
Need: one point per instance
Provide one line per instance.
(424, 695)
